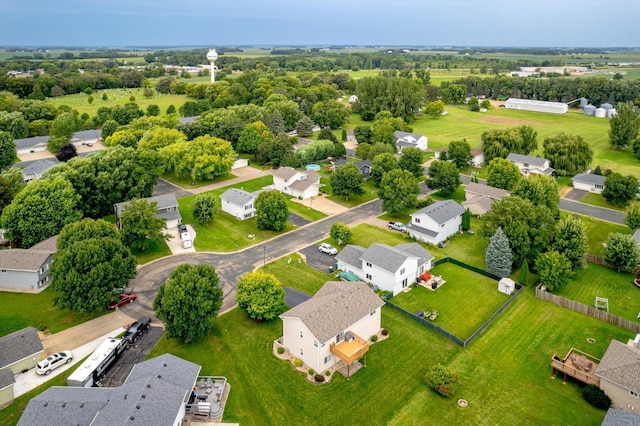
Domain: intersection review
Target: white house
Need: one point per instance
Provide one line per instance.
(299, 183)
(479, 198)
(333, 326)
(167, 208)
(589, 182)
(537, 106)
(239, 203)
(437, 222)
(529, 165)
(619, 373)
(410, 140)
(86, 136)
(37, 168)
(25, 269)
(33, 144)
(239, 163)
(388, 268)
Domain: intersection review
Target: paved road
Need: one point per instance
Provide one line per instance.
(231, 266)
(593, 211)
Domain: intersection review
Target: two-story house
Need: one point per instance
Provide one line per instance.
(333, 326)
(619, 373)
(239, 203)
(299, 183)
(529, 165)
(167, 208)
(25, 269)
(437, 222)
(388, 268)
(410, 140)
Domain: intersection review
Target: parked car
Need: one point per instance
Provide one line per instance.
(52, 362)
(123, 299)
(182, 228)
(397, 226)
(328, 249)
(137, 329)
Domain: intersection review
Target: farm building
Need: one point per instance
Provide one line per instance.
(537, 106)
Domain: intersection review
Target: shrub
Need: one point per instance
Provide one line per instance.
(280, 350)
(311, 372)
(297, 362)
(319, 378)
(328, 373)
(596, 397)
(385, 332)
(441, 380)
(374, 338)
(424, 202)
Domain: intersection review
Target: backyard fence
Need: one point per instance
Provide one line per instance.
(587, 310)
(455, 339)
(592, 258)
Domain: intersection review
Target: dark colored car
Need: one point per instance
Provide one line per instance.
(182, 228)
(123, 299)
(137, 329)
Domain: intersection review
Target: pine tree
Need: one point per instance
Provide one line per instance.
(466, 220)
(524, 273)
(499, 257)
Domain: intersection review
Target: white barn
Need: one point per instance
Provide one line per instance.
(537, 106)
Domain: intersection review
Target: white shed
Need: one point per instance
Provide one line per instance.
(506, 286)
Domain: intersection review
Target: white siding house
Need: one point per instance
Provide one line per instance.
(299, 183)
(410, 140)
(589, 182)
(37, 168)
(529, 165)
(239, 203)
(388, 268)
(25, 269)
(333, 326)
(619, 373)
(167, 208)
(437, 222)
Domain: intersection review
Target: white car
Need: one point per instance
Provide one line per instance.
(52, 362)
(328, 249)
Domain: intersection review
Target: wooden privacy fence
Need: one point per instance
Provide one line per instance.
(592, 258)
(587, 310)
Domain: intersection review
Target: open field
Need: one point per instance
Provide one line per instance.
(465, 302)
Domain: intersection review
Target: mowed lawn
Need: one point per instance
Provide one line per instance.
(464, 302)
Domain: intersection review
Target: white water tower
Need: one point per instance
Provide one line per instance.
(212, 56)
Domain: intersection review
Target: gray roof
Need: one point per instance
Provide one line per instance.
(31, 142)
(86, 135)
(620, 365)
(6, 378)
(416, 250)
(589, 178)
(351, 255)
(237, 196)
(422, 230)
(152, 395)
(606, 105)
(486, 190)
(399, 135)
(636, 236)
(481, 200)
(185, 120)
(50, 244)
(617, 417)
(64, 405)
(441, 211)
(40, 166)
(285, 172)
(164, 201)
(19, 345)
(386, 257)
(519, 158)
(335, 307)
(23, 259)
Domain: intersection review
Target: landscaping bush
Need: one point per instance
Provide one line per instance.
(319, 378)
(374, 338)
(297, 362)
(596, 397)
(385, 332)
(328, 373)
(311, 371)
(280, 350)
(424, 202)
(441, 380)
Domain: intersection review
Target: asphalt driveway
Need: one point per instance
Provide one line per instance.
(295, 297)
(297, 220)
(575, 194)
(317, 259)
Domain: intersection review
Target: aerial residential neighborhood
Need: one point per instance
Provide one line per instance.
(238, 220)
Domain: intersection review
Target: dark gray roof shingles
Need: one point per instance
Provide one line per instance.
(621, 365)
(441, 211)
(519, 158)
(19, 345)
(23, 259)
(237, 196)
(617, 417)
(6, 378)
(589, 178)
(61, 405)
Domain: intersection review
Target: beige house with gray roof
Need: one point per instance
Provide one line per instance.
(299, 183)
(479, 198)
(334, 326)
(619, 373)
(25, 269)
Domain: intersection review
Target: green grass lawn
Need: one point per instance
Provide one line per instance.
(305, 211)
(155, 250)
(464, 302)
(598, 231)
(598, 200)
(20, 310)
(297, 275)
(597, 280)
(187, 183)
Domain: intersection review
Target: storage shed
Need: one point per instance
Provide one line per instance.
(506, 286)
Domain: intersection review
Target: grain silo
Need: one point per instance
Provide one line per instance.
(606, 106)
(583, 102)
(601, 112)
(589, 110)
(612, 113)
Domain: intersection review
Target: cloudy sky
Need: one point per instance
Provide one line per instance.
(110, 23)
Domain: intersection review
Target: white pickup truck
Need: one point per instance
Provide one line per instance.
(397, 226)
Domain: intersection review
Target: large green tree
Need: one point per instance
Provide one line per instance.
(403, 97)
(622, 251)
(272, 211)
(10, 184)
(434, 109)
(624, 126)
(86, 229)
(254, 135)
(341, 232)
(203, 158)
(498, 257)
(261, 296)
(568, 154)
(459, 153)
(411, 160)
(347, 181)
(540, 190)
(329, 113)
(189, 301)
(7, 150)
(380, 165)
(139, 223)
(85, 273)
(14, 123)
(554, 270)
(501, 142)
(502, 174)
(61, 131)
(619, 190)
(204, 208)
(632, 218)
(157, 138)
(399, 191)
(40, 211)
(529, 228)
(571, 240)
(443, 176)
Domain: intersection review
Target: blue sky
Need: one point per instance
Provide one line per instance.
(597, 23)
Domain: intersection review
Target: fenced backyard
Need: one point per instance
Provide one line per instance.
(467, 303)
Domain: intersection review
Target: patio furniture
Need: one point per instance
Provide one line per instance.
(433, 315)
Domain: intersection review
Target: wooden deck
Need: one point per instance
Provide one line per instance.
(349, 351)
(577, 364)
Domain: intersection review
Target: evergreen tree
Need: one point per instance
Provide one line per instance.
(524, 272)
(305, 126)
(466, 220)
(625, 125)
(499, 257)
(571, 240)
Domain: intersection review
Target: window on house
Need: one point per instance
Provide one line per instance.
(315, 343)
(526, 165)
(340, 337)
(372, 313)
(369, 264)
(42, 270)
(368, 276)
(416, 220)
(301, 351)
(170, 209)
(301, 334)
(405, 282)
(633, 394)
(327, 358)
(599, 186)
(402, 271)
(4, 271)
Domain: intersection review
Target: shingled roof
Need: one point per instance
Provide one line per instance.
(164, 202)
(23, 259)
(391, 258)
(238, 196)
(589, 178)
(19, 345)
(335, 307)
(621, 365)
(441, 211)
(6, 378)
(617, 417)
(486, 190)
(526, 159)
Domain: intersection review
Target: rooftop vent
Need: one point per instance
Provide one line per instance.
(132, 418)
(148, 385)
(138, 406)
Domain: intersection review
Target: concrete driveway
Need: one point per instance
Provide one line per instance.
(175, 243)
(317, 259)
